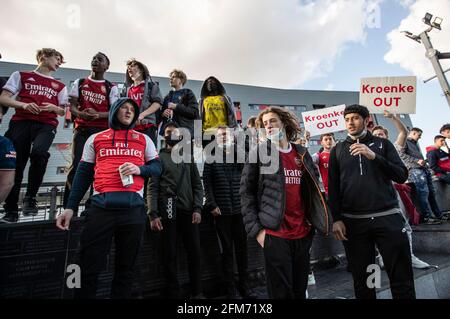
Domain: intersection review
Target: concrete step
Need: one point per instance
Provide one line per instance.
(337, 283)
(433, 283)
(432, 238)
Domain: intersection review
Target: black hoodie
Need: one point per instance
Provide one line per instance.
(372, 192)
(232, 122)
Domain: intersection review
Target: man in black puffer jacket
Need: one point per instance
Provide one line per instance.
(221, 179)
(282, 203)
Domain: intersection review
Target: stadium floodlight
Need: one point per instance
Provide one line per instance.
(412, 36)
(431, 53)
(427, 19)
(437, 23)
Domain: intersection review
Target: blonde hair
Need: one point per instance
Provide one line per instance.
(179, 74)
(48, 52)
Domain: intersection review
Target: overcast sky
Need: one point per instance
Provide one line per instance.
(314, 44)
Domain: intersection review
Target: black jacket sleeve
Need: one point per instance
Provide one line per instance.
(249, 198)
(188, 106)
(83, 179)
(392, 166)
(334, 185)
(209, 187)
(197, 187)
(152, 196)
(433, 160)
(151, 168)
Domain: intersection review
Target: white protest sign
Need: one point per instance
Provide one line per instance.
(394, 94)
(327, 120)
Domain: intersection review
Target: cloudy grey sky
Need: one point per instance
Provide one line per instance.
(279, 43)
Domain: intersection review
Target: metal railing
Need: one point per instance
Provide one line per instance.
(49, 200)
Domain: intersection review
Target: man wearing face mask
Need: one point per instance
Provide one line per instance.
(221, 178)
(365, 206)
(181, 186)
(281, 209)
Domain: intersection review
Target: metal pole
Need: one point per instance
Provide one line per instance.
(53, 194)
(433, 55)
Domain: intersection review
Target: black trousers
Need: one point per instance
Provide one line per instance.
(190, 234)
(80, 136)
(231, 232)
(389, 234)
(287, 266)
(100, 227)
(31, 140)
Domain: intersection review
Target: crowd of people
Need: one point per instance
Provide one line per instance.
(359, 189)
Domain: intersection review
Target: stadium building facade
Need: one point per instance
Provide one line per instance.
(250, 99)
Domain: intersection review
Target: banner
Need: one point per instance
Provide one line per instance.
(394, 94)
(327, 120)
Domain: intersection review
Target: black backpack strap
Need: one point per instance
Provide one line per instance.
(80, 83)
(108, 86)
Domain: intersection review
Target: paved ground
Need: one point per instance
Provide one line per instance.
(337, 283)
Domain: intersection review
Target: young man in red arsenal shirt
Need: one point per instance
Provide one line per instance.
(281, 209)
(38, 102)
(117, 161)
(90, 100)
(322, 158)
(140, 87)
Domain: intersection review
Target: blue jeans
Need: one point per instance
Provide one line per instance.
(426, 192)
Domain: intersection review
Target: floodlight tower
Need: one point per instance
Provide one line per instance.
(431, 53)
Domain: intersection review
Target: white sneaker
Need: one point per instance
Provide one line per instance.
(419, 264)
(311, 279)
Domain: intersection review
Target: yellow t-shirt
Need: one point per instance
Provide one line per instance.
(214, 108)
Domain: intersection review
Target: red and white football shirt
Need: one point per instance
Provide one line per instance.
(110, 149)
(294, 224)
(33, 87)
(324, 159)
(136, 93)
(93, 94)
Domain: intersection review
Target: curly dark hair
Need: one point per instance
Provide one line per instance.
(289, 120)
